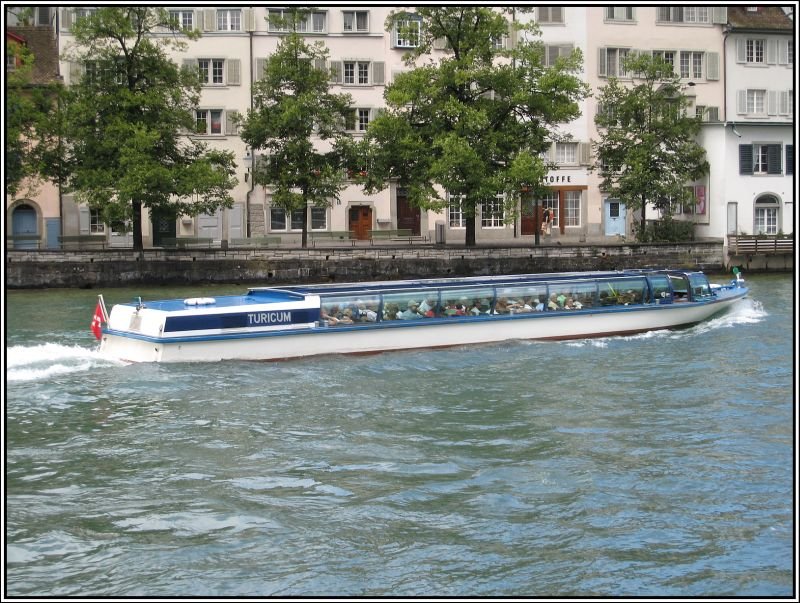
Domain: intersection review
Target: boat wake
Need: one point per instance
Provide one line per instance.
(32, 363)
(745, 311)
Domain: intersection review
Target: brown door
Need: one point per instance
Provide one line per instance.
(360, 221)
(528, 220)
(408, 217)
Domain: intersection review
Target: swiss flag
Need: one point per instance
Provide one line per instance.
(97, 321)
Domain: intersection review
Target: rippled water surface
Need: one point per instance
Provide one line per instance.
(659, 464)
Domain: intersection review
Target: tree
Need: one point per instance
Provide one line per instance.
(476, 123)
(647, 152)
(127, 124)
(299, 123)
(27, 107)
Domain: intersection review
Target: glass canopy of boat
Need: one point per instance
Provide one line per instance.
(354, 303)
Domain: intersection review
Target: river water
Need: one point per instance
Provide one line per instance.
(652, 465)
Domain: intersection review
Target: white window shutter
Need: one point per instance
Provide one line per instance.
(84, 220)
(741, 50)
(231, 123)
(66, 19)
(585, 153)
(719, 15)
(249, 19)
(233, 67)
(209, 19)
(783, 52)
(378, 73)
(772, 102)
(784, 108)
(336, 72)
(76, 71)
(712, 66)
(198, 20)
(261, 66)
(772, 51)
(602, 62)
(741, 101)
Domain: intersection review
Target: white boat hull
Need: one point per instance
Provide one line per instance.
(399, 335)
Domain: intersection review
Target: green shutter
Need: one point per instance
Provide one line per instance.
(745, 159)
(774, 159)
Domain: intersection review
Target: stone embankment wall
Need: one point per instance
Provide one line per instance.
(276, 266)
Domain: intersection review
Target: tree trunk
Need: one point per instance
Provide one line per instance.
(138, 244)
(304, 236)
(643, 225)
(470, 223)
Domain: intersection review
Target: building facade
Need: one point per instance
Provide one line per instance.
(736, 64)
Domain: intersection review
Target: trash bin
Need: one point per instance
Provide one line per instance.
(440, 232)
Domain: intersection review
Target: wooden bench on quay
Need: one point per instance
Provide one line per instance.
(332, 236)
(82, 242)
(400, 234)
(764, 245)
(33, 241)
(187, 242)
(256, 242)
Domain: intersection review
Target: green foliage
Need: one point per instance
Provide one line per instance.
(293, 106)
(125, 124)
(666, 229)
(476, 122)
(26, 116)
(647, 152)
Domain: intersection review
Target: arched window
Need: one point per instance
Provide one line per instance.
(767, 215)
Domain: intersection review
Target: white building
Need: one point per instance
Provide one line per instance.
(737, 65)
(752, 155)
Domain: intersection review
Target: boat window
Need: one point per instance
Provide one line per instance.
(700, 287)
(572, 295)
(680, 287)
(624, 292)
(522, 299)
(467, 302)
(335, 311)
(410, 305)
(660, 287)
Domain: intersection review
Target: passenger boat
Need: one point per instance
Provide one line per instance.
(268, 323)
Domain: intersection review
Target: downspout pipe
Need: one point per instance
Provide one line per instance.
(248, 231)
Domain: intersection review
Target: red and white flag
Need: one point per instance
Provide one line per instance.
(97, 321)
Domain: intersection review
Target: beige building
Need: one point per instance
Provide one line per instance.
(699, 41)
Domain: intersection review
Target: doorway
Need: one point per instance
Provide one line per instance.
(615, 215)
(360, 222)
(408, 217)
(24, 223)
(164, 227)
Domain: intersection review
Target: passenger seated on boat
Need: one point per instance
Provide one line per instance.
(539, 305)
(561, 300)
(552, 304)
(454, 308)
(573, 304)
(366, 314)
(329, 315)
(518, 306)
(410, 312)
(346, 318)
(390, 311)
(501, 306)
(428, 308)
(478, 307)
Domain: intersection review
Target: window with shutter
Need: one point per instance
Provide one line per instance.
(745, 159)
(789, 159)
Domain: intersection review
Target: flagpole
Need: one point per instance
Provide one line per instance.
(103, 306)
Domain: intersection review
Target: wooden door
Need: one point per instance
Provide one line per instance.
(408, 217)
(529, 221)
(360, 221)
